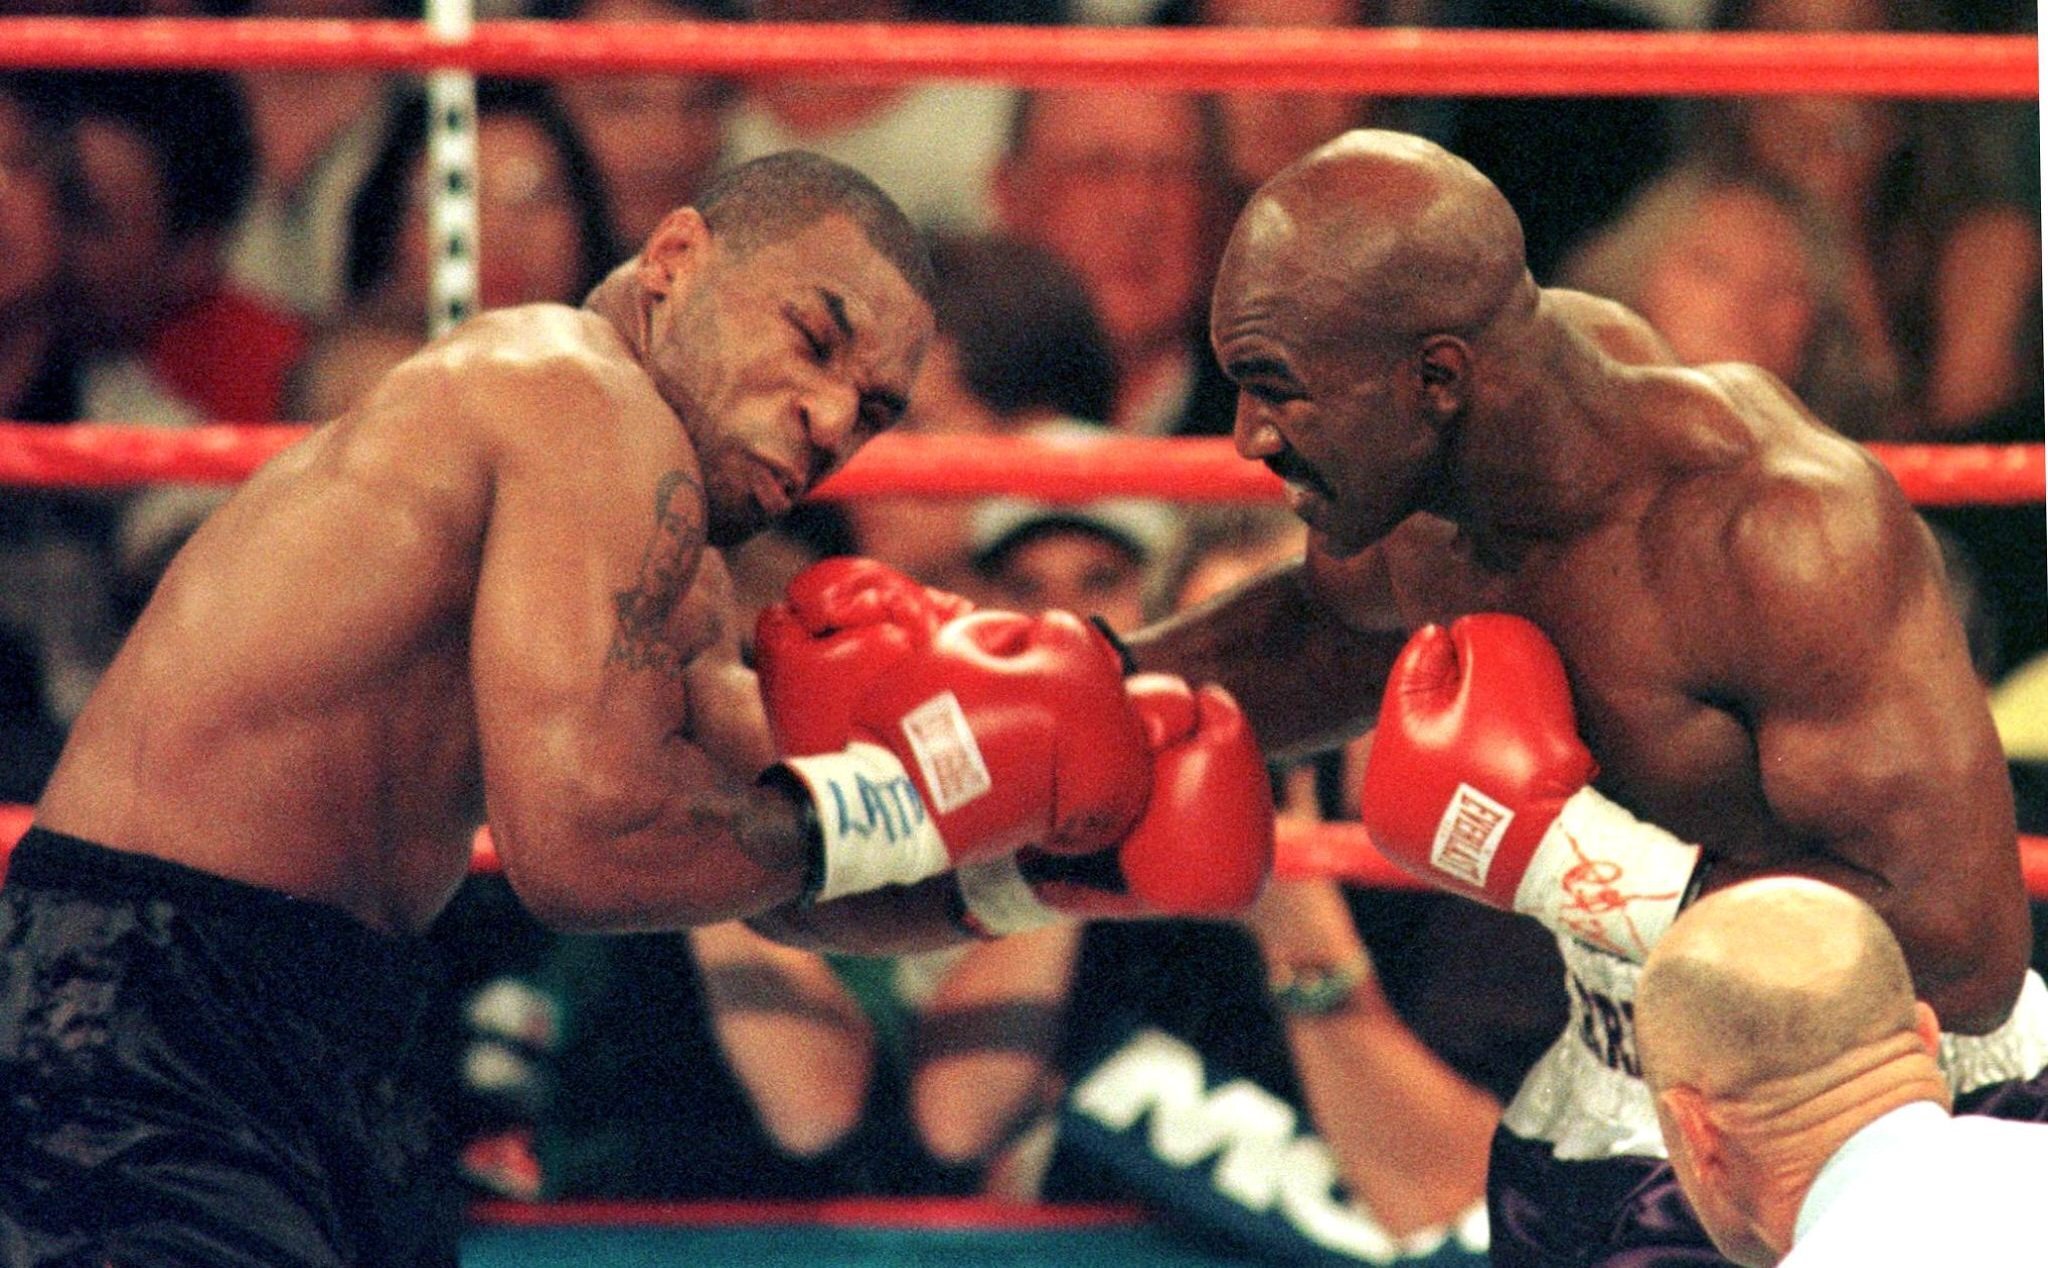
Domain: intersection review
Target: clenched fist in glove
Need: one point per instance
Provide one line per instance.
(1203, 848)
(937, 741)
(1478, 782)
(841, 624)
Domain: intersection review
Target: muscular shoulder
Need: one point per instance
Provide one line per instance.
(1802, 528)
(1613, 328)
(537, 361)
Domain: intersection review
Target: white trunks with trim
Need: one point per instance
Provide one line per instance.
(1585, 1099)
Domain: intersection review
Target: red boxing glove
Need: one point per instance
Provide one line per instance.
(997, 732)
(1479, 783)
(843, 622)
(1203, 848)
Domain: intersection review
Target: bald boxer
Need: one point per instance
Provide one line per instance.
(1800, 1093)
(1718, 645)
(495, 589)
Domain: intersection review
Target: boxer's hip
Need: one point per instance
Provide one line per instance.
(174, 1041)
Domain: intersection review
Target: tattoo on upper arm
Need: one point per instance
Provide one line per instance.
(645, 638)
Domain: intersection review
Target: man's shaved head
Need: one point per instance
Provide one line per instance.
(1770, 978)
(1403, 237)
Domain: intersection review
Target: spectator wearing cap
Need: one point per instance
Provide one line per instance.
(1018, 347)
(1094, 558)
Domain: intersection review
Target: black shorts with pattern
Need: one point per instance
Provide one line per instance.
(197, 1071)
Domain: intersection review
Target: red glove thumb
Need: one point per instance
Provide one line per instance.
(1205, 845)
(1425, 682)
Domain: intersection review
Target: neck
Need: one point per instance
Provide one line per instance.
(1787, 1129)
(622, 303)
(1533, 458)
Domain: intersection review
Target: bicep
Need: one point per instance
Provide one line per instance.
(1876, 755)
(576, 693)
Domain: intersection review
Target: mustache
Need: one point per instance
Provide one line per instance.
(1290, 466)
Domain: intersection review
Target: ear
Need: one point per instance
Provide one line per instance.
(1444, 366)
(676, 248)
(1693, 1130)
(1928, 1027)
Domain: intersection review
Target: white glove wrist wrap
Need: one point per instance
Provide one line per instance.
(1607, 878)
(998, 901)
(874, 825)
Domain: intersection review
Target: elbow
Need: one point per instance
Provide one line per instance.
(1970, 960)
(1977, 995)
(821, 1118)
(571, 885)
(962, 1115)
(560, 898)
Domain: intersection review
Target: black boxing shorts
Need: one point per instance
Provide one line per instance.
(194, 1071)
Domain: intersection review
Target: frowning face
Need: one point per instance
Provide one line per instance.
(782, 361)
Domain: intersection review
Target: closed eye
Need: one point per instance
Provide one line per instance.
(818, 346)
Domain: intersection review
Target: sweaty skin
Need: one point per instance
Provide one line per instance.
(496, 587)
(1755, 622)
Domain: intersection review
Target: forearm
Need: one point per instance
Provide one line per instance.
(794, 1036)
(986, 1040)
(1410, 1137)
(1305, 681)
(694, 846)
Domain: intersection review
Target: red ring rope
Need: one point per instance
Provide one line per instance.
(1385, 62)
(1304, 850)
(106, 455)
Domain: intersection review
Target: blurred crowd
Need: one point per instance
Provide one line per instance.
(177, 248)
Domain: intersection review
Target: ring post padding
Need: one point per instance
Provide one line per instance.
(453, 231)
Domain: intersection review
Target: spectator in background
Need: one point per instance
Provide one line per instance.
(1265, 131)
(545, 231)
(166, 161)
(316, 134)
(931, 145)
(655, 139)
(1129, 187)
(1094, 558)
(1939, 204)
(1017, 345)
(1944, 256)
(37, 380)
(54, 623)
(1735, 266)
(544, 236)
(1800, 1095)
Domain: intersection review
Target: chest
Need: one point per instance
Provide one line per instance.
(1645, 702)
